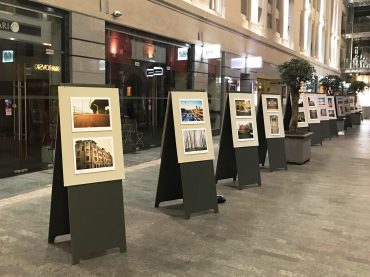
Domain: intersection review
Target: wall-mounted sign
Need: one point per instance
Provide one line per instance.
(182, 54)
(212, 51)
(238, 63)
(158, 71)
(8, 107)
(9, 26)
(47, 67)
(254, 62)
(149, 51)
(155, 71)
(8, 56)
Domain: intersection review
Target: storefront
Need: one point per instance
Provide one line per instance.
(145, 68)
(31, 60)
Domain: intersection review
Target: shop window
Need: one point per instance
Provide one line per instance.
(216, 5)
(269, 20)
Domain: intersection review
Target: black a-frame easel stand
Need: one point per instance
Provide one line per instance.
(275, 147)
(239, 161)
(325, 129)
(194, 182)
(348, 122)
(333, 127)
(92, 213)
(317, 137)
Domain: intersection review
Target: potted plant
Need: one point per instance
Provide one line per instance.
(294, 74)
(355, 88)
(334, 85)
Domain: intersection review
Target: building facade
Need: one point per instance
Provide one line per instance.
(90, 155)
(155, 46)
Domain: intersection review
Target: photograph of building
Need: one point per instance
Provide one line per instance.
(92, 154)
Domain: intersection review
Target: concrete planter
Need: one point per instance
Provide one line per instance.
(298, 147)
(356, 118)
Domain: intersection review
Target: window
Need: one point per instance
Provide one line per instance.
(277, 28)
(259, 13)
(269, 20)
(215, 5)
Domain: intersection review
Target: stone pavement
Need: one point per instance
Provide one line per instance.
(311, 220)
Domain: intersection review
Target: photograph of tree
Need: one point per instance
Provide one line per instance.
(93, 154)
(195, 141)
(274, 125)
(191, 111)
(272, 104)
(90, 114)
(243, 107)
(245, 130)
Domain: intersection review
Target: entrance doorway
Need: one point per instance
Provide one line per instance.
(27, 127)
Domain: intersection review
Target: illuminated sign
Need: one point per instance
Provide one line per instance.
(8, 56)
(155, 71)
(149, 51)
(238, 63)
(47, 67)
(212, 51)
(9, 26)
(254, 62)
(182, 54)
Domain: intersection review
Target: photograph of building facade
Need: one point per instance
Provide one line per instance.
(88, 155)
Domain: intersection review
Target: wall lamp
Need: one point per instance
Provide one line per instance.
(116, 14)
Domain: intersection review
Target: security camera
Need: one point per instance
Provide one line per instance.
(116, 13)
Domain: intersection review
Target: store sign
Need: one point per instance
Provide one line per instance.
(9, 26)
(182, 54)
(238, 63)
(155, 71)
(8, 56)
(254, 62)
(149, 51)
(47, 67)
(212, 51)
(8, 107)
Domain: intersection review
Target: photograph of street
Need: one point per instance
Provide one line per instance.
(245, 130)
(191, 111)
(243, 107)
(90, 114)
(195, 141)
(93, 154)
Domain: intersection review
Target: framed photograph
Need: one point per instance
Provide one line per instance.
(341, 111)
(311, 101)
(321, 100)
(195, 141)
(340, 101)
(300, 102)
(91, 114)
(272, 104)
(192, 111)
(331, 113)
(245, 130)
(94, 154)
(243, 108)
(323, 112)
(232, 87)
(274, 125)
(313, 114)
(301, 117)
(330, 102)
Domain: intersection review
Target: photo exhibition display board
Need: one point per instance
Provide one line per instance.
(340, 106)
(347, 105)
(331, 107)
(302, 112)
(273, 116)
(192, 126)
(323, 107)
(312, 108)
(352, 104)
(243, 120)
(91, 139)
